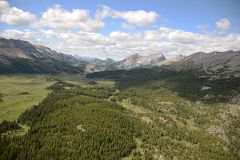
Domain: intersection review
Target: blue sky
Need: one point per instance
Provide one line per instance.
(178, 14)
(202, 20)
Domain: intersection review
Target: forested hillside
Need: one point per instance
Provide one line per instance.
(193, 115)
(190, 84)
(151, 120)
(76, 123)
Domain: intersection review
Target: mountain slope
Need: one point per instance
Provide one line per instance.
(172, 60)
(137, 60)
(17, 56)
(219, 71)
(215, 63)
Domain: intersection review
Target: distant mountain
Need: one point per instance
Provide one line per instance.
(172, 60)
(215, 63)
(108, 61)
(138, 60)
(96, 61)
(17, 56)
(215, 66)
(94, 64)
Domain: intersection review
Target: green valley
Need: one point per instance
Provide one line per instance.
(124, 118)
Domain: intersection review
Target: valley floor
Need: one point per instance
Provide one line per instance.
(21, 92)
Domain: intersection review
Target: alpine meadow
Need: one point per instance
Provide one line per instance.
(120, 80)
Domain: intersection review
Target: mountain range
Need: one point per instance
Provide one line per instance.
(18, 56)
(96, 61)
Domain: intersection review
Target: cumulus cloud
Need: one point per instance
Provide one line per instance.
(60, 19)
(73, 32)
(139, 17)
(173, 35)
(103, 12)
(223, 24)
(127, 26)
(15, 16)
(27, 35)
(119, 45)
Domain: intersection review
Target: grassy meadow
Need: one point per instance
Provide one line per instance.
(20, 92)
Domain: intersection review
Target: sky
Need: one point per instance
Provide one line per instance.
(118, 29)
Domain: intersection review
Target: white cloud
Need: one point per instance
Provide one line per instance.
(223, 24)
(103, 12)
(183, 37)
(119, 45)
(119, 35)
(60, 19)
(48, 33)
(15, 16)
(139, 17)
(72, 32)
(27, 35)
(127, 26)
(167, 34)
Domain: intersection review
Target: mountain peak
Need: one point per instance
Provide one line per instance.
(136, 55)
(137, 60)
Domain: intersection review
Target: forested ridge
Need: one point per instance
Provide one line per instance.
(187, 83)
